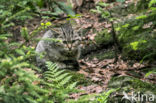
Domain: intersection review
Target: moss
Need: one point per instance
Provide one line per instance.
(131, 82)
(129, 85)
(103, 37)
(117, 82)
(138, 54)
(79, 78)
(138, 50)
(105, 54)
(143, 86)
(133, 34)
(142, 4)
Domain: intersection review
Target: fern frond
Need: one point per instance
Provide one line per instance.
(62, 76)
(59, 82)
(65, 80)
(72, 86)
(58, 73)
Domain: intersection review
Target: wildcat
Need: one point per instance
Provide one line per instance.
(64, 48)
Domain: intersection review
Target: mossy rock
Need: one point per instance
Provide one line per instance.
(130, 84)
(127, 81)
(103, 37)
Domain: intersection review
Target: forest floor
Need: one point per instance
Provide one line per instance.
(99, 71)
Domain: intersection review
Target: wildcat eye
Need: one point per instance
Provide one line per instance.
(73, 41)
(64, 42)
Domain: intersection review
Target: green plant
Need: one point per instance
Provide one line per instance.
(152, 2)
(104, 96)
(151, 72)
(129, 84)
(55, 8)
(58, 81)
(19, 78)
(18, 82)
(106, 13)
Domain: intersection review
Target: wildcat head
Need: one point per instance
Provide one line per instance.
(70, 39)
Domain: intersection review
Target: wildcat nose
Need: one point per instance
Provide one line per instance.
(70, 46)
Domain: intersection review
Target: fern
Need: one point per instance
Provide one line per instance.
(104, 96)
(18, 82)
(59, 82)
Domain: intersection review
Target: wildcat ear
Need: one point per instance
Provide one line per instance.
(67, 31)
